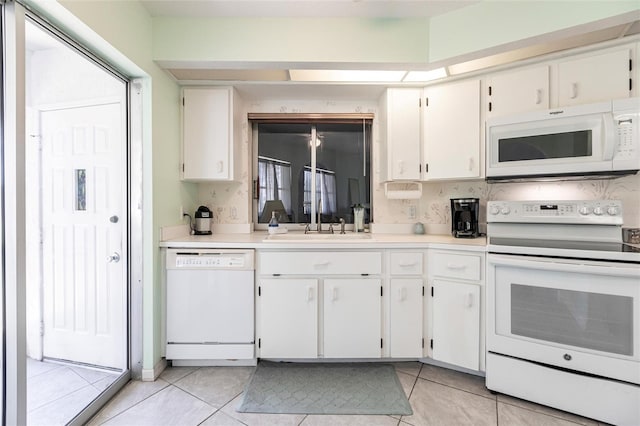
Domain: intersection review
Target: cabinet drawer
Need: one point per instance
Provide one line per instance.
(454, 265)
(404, 263)
(320, 263)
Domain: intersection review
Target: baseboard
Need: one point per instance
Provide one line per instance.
(150, 375)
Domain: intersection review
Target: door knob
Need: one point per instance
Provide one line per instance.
(114, 258)
(113, 219)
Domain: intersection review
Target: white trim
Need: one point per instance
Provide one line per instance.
(150, 375)
(14, 220)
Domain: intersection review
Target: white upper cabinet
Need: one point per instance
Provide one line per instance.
(452, 131)
(517, 91)
(400, 134)
(595, 78)
(209, 148)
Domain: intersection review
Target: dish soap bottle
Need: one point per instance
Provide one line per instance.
(273, 223)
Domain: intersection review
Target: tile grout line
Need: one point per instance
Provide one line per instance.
(463, 390)
(128, 408)
(411, 392)
(548, 415)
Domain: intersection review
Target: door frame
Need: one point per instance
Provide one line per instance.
(12, 262)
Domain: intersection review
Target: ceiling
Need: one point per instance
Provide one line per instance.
(305, 8)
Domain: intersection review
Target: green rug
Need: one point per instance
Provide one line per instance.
(310, 388)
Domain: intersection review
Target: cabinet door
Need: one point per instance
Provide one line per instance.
(207, 134)
(288, 318)
(452, 130)
(403, 134)
(518, 91)
(352, 318)
(456, 323)
(593, 79)
(405, 317)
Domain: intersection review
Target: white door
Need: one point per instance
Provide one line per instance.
(452, 130)
(352, 318)
(84, 227)
(594, 79)
(456, 323)
(406, 318)
(288, 318)
(403, 134)
(518, 91)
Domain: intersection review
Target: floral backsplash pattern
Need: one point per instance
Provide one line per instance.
(434, 205)
(231, 202)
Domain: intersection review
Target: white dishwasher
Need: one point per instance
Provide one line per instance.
(210, 307)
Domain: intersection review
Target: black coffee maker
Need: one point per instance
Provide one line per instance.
(464, 217)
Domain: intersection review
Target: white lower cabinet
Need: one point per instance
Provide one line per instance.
(319, 304)
(455, 308)
(288, 318)
(456, 323)
(352, 318)
(405, 318)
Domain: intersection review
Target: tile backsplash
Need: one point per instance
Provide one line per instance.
(231, 202)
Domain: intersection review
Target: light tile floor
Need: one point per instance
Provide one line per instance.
(209, 395)
(57, 392)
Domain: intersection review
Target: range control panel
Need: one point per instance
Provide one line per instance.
(210, 259)
(605, 212)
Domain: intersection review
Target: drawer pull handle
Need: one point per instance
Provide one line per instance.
(334, 294)
(456, 265)
(407, 265)
(321, 263)
(469, 300)
(309, 294)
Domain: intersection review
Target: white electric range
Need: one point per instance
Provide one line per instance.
(563, 307)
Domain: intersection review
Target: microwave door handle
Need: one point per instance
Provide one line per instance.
(610, 140)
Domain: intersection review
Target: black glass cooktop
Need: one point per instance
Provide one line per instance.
(567, 245)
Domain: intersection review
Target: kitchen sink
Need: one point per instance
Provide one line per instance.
(314, 236)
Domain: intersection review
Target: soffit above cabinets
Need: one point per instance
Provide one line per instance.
(205, 74)
(305, 8)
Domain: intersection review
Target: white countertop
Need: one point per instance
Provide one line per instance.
(259, 240)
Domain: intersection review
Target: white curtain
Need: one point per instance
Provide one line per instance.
(275, 183)
(325, 191)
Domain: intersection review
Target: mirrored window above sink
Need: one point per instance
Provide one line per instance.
(311, 170)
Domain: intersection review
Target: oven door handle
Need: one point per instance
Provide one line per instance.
(567, 265)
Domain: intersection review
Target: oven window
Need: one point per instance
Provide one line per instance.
(540, 147)
(595, 321)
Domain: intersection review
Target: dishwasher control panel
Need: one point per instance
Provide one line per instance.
(210, 259)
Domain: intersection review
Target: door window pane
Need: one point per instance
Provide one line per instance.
(81, 189)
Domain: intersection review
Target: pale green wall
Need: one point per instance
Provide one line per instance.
(336, 40)
(492, 23)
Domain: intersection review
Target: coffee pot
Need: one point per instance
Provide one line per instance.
(203, 221)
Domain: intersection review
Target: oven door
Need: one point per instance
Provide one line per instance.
(574, 314)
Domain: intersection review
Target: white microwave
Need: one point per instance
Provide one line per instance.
(594, 139)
